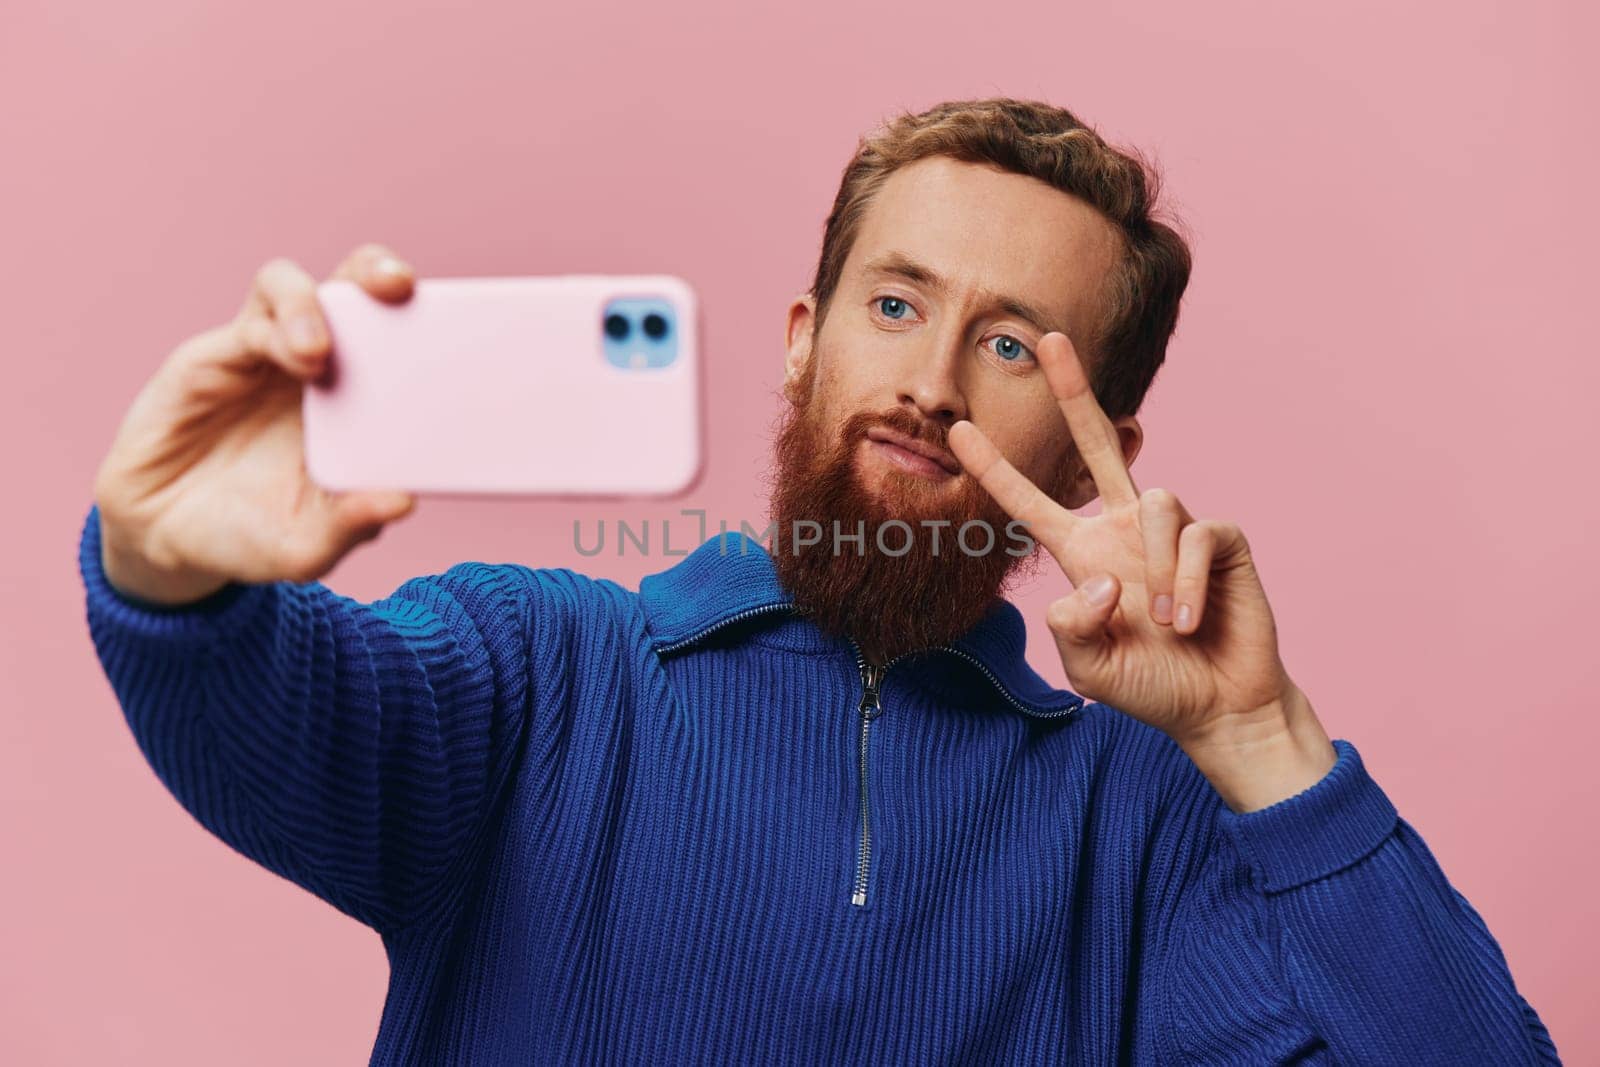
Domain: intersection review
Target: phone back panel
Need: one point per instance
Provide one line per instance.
(502, 385)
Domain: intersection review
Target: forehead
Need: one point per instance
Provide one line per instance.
(984, 228)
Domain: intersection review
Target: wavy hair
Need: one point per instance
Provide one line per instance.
(1139, 302)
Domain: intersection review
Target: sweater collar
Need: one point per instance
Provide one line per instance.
(731, 578)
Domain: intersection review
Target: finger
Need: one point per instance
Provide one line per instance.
(1092, 432)
(259, 337)
(1197, 550)
(1046, 520)
(287, 296)
(379, 271)
(360, 511)
(1078, 620)
(349, 519)
(224, 362)
(1161, 518)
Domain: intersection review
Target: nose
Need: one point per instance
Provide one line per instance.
(930, 384)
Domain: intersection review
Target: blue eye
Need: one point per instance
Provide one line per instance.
(899, 305)
(1010, 349)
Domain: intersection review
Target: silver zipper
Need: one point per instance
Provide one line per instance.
(870, 708)
(747, 613)
(1050, 713)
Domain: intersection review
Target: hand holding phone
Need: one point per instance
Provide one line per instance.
(580, 385)
(206, 480)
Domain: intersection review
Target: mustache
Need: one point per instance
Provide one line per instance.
(901, 421)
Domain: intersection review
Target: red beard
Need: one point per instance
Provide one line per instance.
(936, 588)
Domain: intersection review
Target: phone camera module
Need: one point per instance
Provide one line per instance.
(617, 326)
(640, 331)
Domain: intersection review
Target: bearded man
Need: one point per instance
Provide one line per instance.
(803, 799)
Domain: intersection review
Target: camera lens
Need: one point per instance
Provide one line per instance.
(616, 326)
(655, 326)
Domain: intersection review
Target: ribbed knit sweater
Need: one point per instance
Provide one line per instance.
(673, 825)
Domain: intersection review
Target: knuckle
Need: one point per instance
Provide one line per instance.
(273, 267)
(1059, 617)
(1220, 531)
(199, 369)
(1158, 499)
(193, 349)
(286, 280)
(1160, 576)
(245, 331)
(252, 333)
(195, 380)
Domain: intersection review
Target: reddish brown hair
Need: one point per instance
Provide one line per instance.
(1140, 298)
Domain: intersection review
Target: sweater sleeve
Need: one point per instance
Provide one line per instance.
(1325, 932)
(353, 748)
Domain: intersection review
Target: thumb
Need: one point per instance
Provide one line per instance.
(343, 522)
(1078, 620)
(359, 516)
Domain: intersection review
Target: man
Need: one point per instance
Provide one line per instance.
(806, 802)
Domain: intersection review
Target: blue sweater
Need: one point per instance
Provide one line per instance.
(669, 826)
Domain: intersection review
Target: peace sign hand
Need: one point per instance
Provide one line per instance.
(1207, 674)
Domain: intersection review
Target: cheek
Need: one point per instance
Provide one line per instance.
(857, 361)
(843, 391)
(1036, 442)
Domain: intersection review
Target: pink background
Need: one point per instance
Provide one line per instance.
(1385, 372)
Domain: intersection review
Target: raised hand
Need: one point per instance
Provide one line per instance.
(206, 478)
(1168, 620)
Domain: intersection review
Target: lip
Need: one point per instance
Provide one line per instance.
(946, 460)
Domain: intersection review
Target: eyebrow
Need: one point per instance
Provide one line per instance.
(901, 265)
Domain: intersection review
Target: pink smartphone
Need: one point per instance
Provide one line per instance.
(579, 384)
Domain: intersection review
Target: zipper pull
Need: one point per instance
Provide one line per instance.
(871, 678)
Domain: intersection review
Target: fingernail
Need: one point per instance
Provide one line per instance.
(1098, 590)
(388, 267)
(1185, 613)
(304, 334)
(1162, 609)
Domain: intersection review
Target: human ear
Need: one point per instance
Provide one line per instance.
(1130, 435)
(798, 336)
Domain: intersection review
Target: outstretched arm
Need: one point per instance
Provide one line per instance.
(352, 748)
